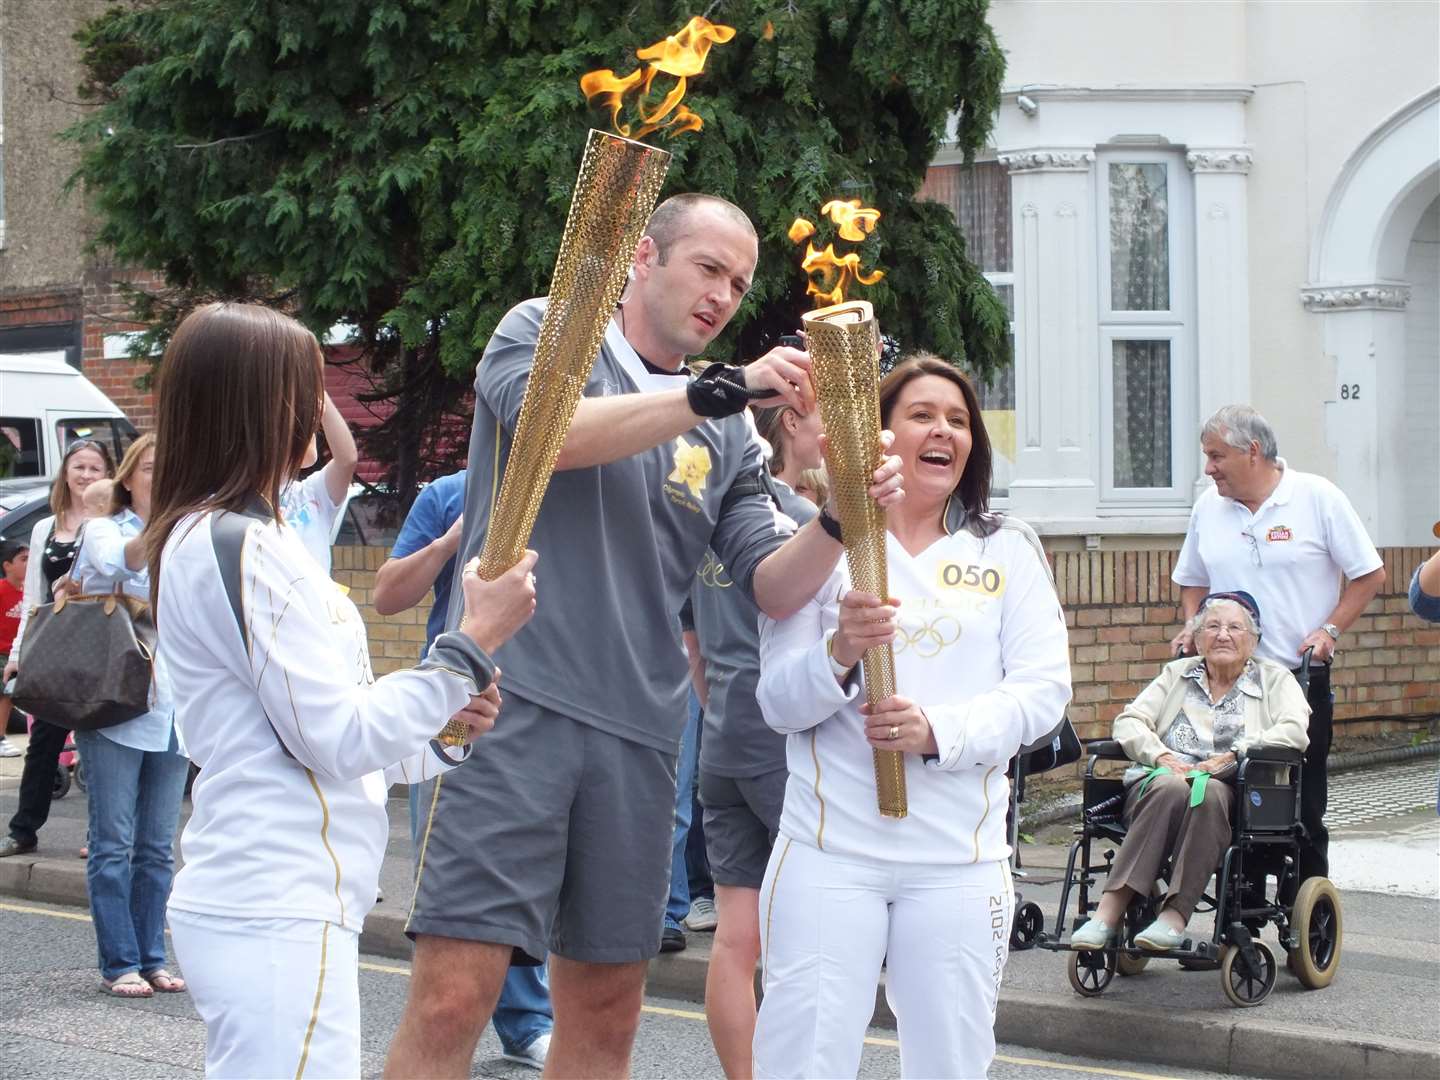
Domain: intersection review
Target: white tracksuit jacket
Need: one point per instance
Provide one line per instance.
(982, 648)
(296, 740)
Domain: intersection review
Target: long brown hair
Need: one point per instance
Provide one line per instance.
(239, 399)
(120, 496)
(60, 491)
(974, 486)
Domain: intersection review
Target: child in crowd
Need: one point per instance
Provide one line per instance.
(14, 557)
(98, 500)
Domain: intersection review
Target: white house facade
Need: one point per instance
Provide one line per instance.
(1189, 205)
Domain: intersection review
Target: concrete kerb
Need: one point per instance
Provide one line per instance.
(1245, 1043)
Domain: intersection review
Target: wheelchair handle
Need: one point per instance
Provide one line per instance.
(1303, 678)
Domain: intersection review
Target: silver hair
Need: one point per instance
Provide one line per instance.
(1193, 626)
(1239, 426)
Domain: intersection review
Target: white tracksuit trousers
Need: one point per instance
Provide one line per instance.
(827, 922)
(279, 997)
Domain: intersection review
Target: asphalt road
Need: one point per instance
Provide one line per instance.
(54, 1023)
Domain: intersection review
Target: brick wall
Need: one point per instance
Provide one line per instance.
(99, 307)
(1122, 610)
(106, 312)
(45, 307)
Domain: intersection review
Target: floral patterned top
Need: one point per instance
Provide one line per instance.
(1193, 739)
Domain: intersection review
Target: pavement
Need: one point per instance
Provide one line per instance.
(1380, 1017)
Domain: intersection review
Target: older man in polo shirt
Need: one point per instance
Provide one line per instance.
(1287, 538)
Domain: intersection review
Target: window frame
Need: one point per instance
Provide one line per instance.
(1175, 325)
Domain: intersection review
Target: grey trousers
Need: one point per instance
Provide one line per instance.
(1159, 822)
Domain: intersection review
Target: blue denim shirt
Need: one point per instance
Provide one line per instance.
(99, 567)
(1421, 602)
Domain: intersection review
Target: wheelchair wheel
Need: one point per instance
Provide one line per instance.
(1243, 986)
(1137, 916)
(1029, 921)
(61, 787)
(1316, 925)
(1090, 971)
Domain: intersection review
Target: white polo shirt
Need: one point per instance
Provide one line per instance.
(1290, 555)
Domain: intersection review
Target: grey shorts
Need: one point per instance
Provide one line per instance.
(553, 836)
(742, 818)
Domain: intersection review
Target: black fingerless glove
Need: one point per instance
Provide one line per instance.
(720, 390)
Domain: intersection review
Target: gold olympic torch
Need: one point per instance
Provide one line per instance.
(619, 182)
(842, 339)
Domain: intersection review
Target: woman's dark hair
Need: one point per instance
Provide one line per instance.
(60, 492)
(974, 486)
(239, 399)
(120, 496)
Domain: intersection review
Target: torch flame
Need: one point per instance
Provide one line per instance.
(829, 274)
(855, 221)
(681, 55)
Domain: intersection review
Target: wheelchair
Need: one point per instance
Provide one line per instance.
(1257, 872)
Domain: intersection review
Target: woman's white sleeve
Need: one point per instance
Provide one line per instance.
(797, 689)
(102, 554)
(426, 764)
(1135, 728)
(323, 717)
(1030, 700)
(35, 591)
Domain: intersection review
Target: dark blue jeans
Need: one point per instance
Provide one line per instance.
(523, 1012)
(134, 808)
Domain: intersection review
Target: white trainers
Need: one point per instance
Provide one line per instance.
(702, 915)
(9, 749)
(533, 1055)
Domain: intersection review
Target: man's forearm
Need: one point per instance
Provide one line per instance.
(607, 429)
(1354, 599)
(402, 583)
(1190, 597)
(790, 576)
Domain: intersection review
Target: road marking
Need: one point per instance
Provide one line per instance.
(684, 1014)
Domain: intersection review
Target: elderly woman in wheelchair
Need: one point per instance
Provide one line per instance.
(1186, 733)
(1216, 745)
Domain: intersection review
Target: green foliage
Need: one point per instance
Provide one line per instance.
(407, 164)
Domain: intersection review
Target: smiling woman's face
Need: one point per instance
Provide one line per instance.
(1224, 636)
(932, 436)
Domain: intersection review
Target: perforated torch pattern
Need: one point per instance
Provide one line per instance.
(846, 374)
(615, 193)
(619, 181)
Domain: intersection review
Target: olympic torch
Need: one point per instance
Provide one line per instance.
(843, 340)
(619, 181)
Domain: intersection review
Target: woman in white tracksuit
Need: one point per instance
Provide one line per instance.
(982, 667)
(275, 701)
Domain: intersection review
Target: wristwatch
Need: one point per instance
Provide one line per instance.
(1331, 629)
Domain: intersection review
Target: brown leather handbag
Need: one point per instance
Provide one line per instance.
(87, 661)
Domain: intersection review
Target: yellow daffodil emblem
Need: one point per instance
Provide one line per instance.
(692, 465)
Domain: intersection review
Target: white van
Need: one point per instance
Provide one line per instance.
(45, 405)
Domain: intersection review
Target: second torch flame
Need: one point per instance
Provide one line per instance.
(841, 338)
(829, 275)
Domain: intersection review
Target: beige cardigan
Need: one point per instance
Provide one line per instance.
(1279, 717)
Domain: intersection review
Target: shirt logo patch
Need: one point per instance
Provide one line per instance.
(1278, 534)
(692, 466)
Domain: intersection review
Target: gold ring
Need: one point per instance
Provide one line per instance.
(894, 731)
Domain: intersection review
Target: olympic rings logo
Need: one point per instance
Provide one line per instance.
(929, 639)
(712, 572)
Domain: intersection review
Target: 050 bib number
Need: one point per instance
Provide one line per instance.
(985, 580)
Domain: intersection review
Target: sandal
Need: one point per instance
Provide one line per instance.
(129, 985)
(163, 982)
